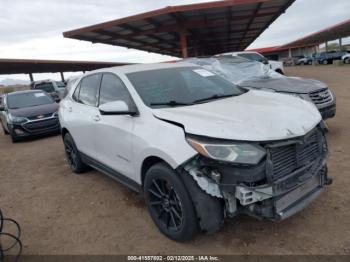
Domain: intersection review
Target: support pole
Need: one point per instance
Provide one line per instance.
(31, 77)
(62, 76)
(290, 53)
(327, 46)
(183, 42)
(340, 44)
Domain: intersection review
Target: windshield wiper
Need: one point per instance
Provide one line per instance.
(213, 97)
(170, 103)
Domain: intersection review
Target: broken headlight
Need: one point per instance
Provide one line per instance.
(240, 153)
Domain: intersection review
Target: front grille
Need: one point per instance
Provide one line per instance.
(288, 158)
(41, 125)
(321, 97)
(37, 117)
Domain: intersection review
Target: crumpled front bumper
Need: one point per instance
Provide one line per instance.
(261, 190)
(280, 207)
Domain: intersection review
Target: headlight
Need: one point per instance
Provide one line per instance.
(17, 119)
(240, 153)
(55, 114)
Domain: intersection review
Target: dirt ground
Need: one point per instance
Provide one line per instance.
(63, 213)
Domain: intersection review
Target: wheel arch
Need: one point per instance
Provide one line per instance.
(148, 163)
(64, 131)
(278, 70)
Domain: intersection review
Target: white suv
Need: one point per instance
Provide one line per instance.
(196, 146)
(276, 66)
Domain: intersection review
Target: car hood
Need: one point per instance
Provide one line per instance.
(35, 110)
(253, 116)
(285, 84)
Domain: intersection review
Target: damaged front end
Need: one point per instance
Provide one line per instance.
(284, 177)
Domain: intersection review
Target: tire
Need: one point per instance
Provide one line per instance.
(325, 62)
(347, 61)
(169, 203)
(13, 136)
(73, 156)
(14, 139)
(302, 63)
(309, 63)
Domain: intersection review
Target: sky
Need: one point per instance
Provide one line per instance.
(33, 29)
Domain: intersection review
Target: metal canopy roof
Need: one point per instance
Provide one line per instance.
(24, 66)
(337, 31)
(189, 30)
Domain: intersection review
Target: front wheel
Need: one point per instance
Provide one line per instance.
(169, 203)
(347, 61)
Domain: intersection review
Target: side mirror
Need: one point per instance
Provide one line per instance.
(116, 108)
(265, 61)
(2, 108)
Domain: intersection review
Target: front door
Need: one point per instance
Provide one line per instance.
(114, 132)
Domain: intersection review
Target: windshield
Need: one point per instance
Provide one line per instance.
(181, 86)
(60, 84)
(30, 99)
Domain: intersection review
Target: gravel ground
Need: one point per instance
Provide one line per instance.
(63, 213)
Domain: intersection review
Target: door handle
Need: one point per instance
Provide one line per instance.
(96, 118)
(70, 109)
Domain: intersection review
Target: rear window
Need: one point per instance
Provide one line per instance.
(60, 84)
(29, 99)
(47, 87)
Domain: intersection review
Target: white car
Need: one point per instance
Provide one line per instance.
(346, 59)
(197, 147)
(274, 65)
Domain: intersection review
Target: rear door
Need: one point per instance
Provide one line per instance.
(114, 132)
(83, 114)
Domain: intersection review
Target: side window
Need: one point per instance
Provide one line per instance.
(89, 87)
(76, 93)
(113, 89)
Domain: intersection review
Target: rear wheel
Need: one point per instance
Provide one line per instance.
(73, 156)
(347, 61)
(169, 203)
(325, 62)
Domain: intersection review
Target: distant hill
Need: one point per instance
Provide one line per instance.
(12, 82)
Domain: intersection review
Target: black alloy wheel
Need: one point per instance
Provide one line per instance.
(73, 156)
(166, 204)
(169, 203)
